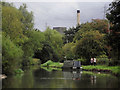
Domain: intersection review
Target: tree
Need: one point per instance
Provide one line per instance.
(32, 45)
(52, 46)
(70, 33)
(90, 45)
(11, 24)
(11, 55)
(28, 20)
(68, 50)
(114, 17)
(96, 24)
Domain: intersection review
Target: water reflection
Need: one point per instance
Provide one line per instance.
(93, 79)
(76, 75)
(73, 74)
(43, 78)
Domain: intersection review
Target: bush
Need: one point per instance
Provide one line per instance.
(83, 61)
(102, 60)
(11, 55)
(52, 64)
(18, 71)
(35, 61)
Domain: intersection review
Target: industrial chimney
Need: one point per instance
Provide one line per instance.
(78, 17)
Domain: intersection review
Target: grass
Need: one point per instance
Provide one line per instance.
(52, 64)
(96, 74)
(113, 69)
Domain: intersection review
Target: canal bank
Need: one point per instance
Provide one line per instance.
(115, 70)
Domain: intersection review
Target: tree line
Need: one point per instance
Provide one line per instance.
(21, 42)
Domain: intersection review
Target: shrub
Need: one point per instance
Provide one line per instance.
(18, 71)
(52, 64)
(11, 55)
(102, 60)
(35, 61)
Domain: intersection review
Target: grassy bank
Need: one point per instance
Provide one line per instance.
(52, 64)
(112, 69)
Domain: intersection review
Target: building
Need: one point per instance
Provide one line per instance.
(60, 29)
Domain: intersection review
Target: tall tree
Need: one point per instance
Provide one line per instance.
(90, 45)
(70, 33)
(11, 23)
(28, 20)
(96, 24)
(52, 46)
(11, 55)
(114, 17)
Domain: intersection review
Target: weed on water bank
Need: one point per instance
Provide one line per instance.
(52, 64)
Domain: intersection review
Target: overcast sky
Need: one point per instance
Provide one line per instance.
(64, 14)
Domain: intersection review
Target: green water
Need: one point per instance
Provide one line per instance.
(53, 78)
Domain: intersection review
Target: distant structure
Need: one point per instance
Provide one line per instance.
(72, 64)
(60, 29)
(78, 17)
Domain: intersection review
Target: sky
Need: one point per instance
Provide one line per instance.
(64, 13)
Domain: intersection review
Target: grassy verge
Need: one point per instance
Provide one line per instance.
(52, 64)
(96, 74)
(113, 69)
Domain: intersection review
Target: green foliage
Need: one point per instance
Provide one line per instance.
(18, 71)
(32, 45)
(89, 40)
(50, 63)
(54, 38)
(96, 74)
(103, 60)
(90, 45)
(21, 42)
(28, 18)
(113, 69)
(34, 61)
(11, 24)
(68, 50)
(51, 47)
(18, 46)
(114, 38)
(81, 59)
(70, 34)
(11, 55)
(96, 24)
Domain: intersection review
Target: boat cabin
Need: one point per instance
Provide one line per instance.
(71, 64)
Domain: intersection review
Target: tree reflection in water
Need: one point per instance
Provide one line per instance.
(40, 78)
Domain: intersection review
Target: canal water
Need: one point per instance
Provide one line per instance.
(57, 78)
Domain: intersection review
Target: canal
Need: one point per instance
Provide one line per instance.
(37, 77)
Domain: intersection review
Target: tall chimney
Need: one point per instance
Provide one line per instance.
(78, 17)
